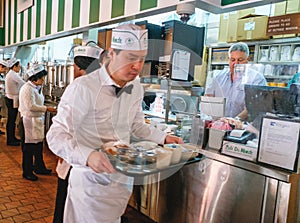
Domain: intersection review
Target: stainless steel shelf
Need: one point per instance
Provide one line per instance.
(295, 41)
(280, 62)
(278, 77)
(260, 42)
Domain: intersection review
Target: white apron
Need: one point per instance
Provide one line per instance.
(34, 129)
(96, 198)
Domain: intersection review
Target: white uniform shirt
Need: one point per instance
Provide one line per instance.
(32, 110)
(89, 115)
(234, 92)
(31, 101)
(2, 87)
(13, 83)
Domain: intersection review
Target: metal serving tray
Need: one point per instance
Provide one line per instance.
(135, 169)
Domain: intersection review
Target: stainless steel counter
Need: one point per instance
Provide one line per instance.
(220, 188)
(247, 165)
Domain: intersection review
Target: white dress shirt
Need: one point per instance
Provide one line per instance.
(13, 83)
(234, 92)
(88, 116)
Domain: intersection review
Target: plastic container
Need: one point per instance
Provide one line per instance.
(199, 131)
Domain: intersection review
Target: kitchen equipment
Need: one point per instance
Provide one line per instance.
(180, 36)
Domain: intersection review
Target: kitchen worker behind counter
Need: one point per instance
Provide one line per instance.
(93, 115)
(32, 110)
(86, 60)
(13, 83)
(231, 87)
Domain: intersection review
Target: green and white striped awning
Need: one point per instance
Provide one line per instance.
(49, 17)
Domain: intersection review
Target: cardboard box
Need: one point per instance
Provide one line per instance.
(233, 22)
(223, 28)
(286, 7)
(232, 28)
(219, 55)
(252, 27)
(292, 6)
(200, 73)
(239, 150)
(228, 24)
(104, 38)
(280, 8)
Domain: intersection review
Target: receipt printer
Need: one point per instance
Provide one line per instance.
(239, 136)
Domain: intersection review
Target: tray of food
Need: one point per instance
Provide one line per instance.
(144, 158)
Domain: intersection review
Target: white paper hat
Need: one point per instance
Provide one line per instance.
(36, 68)
(87, 51)
(13, 61)
(4, 63)
(129, 39)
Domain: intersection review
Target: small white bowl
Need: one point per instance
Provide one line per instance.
(163, 158)
(176, 152)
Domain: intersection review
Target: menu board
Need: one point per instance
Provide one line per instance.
(279, 143)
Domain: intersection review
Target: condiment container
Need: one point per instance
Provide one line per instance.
(176, 152)
(163, 158)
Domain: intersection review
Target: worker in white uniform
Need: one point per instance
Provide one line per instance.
(86, 60)
(3, 70)
(32, 110)
(231, 86)
(13, 83)
(90, 116)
